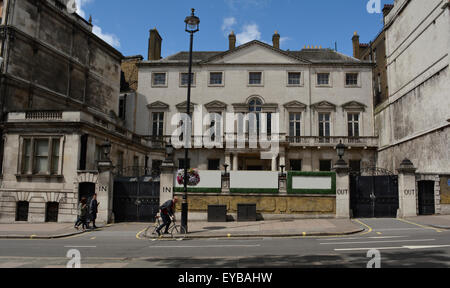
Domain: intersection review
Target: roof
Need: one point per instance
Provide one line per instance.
(314, 56)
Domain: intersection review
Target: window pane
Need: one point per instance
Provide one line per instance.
(351, 79)
(55, 156)
(26, 155)
(291, 129)
(185, 79)
(215, 78)
(41, 148)
(294, 78)
(255, 78)
(323, 78)
(159, 79)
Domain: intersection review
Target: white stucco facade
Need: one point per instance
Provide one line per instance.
(234, 95)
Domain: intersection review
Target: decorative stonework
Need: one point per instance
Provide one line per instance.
(158, 105)
(216, 106)
(324, 105)
(295, 105)
(354, 106)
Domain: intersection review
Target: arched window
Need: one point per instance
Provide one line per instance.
(255, 105)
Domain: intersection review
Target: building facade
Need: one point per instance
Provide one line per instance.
(413, 122)
(321, 96)
(59, 95)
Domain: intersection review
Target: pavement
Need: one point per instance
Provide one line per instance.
(205, 230)
(273, 228)
(38, 231)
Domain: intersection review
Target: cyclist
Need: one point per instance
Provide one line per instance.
(167, 215)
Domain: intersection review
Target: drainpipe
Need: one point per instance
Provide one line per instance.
(5, 60)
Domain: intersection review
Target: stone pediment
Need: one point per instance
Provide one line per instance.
(216, 105)
(158, 105)
(354, 105)
(183, 106)
(324, 105)
(295, 105)
(255, 52)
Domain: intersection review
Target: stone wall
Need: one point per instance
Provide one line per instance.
(300, 205)
(55, 63)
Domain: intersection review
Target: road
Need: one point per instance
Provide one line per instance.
(401, 244)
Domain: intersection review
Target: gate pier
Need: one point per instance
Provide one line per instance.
(407, 189)
(342, 190)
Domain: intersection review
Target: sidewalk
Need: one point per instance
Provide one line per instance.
(437, 221)
(37, 231)
(274, 228)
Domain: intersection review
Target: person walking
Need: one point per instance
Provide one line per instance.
(167, 215)
(83, 212)
(93, 210)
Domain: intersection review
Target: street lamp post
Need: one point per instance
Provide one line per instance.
(192, 26)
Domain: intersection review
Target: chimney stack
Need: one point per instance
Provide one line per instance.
(276, 40)
(355, 40)
(154, 45)
(232, 40)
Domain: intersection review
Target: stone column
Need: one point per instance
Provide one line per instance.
(167, 186)
(407, 189)
(105, 193)
(274, 164)
(342, 190)
(235, 162)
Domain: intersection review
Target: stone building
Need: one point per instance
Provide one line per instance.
(413, 122)
(375, 51)
(322, 97)
(59, 99)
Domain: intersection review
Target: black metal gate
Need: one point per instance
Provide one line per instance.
(136, 199)
(426, 198)
(374, 193)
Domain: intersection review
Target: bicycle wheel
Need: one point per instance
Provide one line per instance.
(178, 232)
(152, 228)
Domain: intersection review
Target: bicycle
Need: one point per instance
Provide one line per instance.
(175, 231)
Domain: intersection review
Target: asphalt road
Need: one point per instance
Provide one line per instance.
(400, 244)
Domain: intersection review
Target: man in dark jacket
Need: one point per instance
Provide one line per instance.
(167, 214)
(93, 210)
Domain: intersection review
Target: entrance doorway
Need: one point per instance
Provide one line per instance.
(426, 198)
(374, 194)
(86, 190)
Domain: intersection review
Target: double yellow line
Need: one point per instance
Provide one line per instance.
(419, 225)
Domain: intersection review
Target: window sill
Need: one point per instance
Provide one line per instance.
(324, 86)
(216, 85)
(294, 85)
(352, 86)
(38, 176)
(255, 85)
(159, 86)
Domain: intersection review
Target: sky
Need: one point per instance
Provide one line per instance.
(126, 24)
